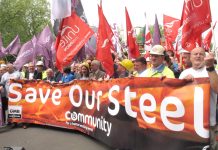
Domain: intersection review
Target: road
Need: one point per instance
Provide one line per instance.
(38, 137)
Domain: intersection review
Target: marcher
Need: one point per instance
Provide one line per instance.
(96, 73)
(140, 66)
(158, 68)
(40, 72)
(5, 81)
(204, 67)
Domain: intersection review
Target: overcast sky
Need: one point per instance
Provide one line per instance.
(114, 10)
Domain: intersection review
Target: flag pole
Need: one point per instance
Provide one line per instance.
(214, 49)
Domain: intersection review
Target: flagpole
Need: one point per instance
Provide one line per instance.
(214, 49)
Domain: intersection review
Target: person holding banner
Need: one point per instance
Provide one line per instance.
(96, 73)
(203, 66)
(140, 66)
(5, 81)
(124, 68)
(158, 68)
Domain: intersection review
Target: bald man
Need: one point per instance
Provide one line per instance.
(203, 66)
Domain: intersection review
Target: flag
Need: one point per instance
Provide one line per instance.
(207, 39)
(104, 44)
(74, 33)
(1, 47)
(40, 50)
(131, 40)
(45, 38)
(148, 39)
(116, 39)
(171, 26)
(77, 6)
(196, 18)
(14, 47)
(60, 9)
(25, 55)
(156, 34)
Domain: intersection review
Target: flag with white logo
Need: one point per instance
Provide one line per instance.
(73, 34)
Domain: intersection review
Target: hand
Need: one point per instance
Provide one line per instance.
(209, 60)
(189, 78)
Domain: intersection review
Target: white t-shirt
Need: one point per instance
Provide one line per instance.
(199, 73)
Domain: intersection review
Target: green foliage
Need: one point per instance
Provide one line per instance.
(139, 36)
(22, 17)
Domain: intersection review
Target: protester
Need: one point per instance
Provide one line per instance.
(173, 66)
(96, 73)
(84, 71)
(124, 68)
(50, 75)
(57, 73)
(201, 68)
(24, 70)
(67, 75)
(140, 66)
(5, 82)
(3, 69)
(39, 73)
(75, 70)
(158, 68)
(186, 62)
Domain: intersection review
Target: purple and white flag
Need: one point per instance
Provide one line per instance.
(60, 9)
(14, 47)
(25, 55)
(156, 34)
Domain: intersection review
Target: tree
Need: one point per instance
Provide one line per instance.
(23, 17)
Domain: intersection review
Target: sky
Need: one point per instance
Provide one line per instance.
(114, 11)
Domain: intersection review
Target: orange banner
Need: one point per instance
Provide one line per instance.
(169, 107)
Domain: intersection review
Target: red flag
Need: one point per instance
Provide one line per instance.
(148, 39)
(207, 39)
(104, 44)
(196, 18)
(171, 26)
(73, 34)
(131, 40)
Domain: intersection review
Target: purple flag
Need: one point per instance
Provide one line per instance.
(40, 50)
(14, 47)
(45, 38)
(1, 48)
(156, 34)
(25, 55)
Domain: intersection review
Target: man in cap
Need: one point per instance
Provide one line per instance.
(158, 69)
(40, 73)
(186, 62)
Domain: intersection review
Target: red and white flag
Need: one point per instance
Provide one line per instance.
(73, 34)
(148, 39)
(104, 44)
(196, 18)
(171, 26)
(207, 39)
(131, 40)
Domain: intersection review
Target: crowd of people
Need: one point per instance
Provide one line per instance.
(160, 63)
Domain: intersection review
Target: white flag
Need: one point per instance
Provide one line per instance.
(60, 9)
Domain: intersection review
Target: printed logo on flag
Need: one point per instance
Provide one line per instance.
(14, 111)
